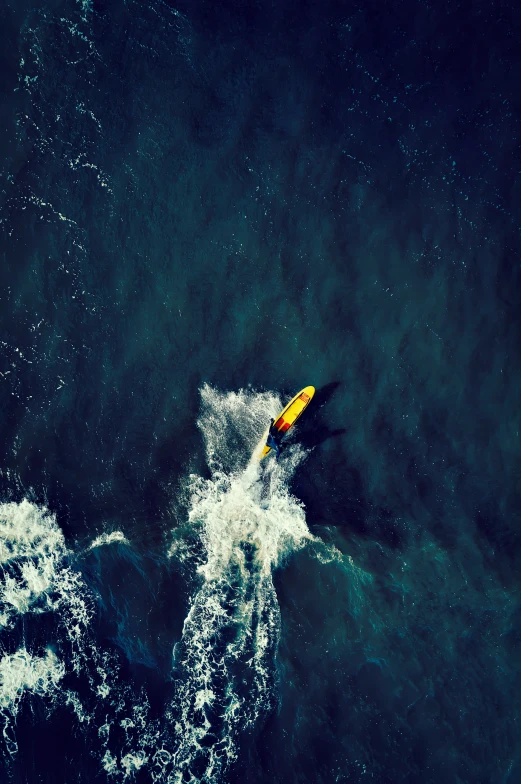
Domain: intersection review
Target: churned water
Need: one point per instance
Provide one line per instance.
(205, 207)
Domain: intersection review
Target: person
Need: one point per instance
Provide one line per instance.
(273, 436)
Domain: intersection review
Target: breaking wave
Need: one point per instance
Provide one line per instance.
(247, 523)
(241, 522)
(39, 576)
(36, 574)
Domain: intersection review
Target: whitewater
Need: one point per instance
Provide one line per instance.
(240, 524)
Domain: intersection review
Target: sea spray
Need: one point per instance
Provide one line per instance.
(248, 523)
(241, 523)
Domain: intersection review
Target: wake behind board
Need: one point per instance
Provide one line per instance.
(289, 414)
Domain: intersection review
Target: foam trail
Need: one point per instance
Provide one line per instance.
(248, 523)
(242, 523)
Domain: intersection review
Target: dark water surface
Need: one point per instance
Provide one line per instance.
(205, 207)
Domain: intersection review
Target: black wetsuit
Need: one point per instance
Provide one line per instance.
(273, 438)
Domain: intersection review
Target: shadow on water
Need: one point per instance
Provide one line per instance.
(332, 490)
(325, 393)
(313, 429)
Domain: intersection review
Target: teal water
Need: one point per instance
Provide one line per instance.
(203, 209)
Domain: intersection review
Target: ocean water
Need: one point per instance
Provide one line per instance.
(205, 207)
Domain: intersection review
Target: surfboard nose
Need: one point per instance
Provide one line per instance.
(290, 413)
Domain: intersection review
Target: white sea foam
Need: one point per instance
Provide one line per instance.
(242, 523)
(110, 763)
(36, 576)
(133, 761)
(248, 523)
(114, 536)
(21, 673)
(72, 699)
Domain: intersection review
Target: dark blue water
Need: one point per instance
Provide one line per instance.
(203, 208)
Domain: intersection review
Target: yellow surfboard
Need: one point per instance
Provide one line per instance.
(290, 413)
